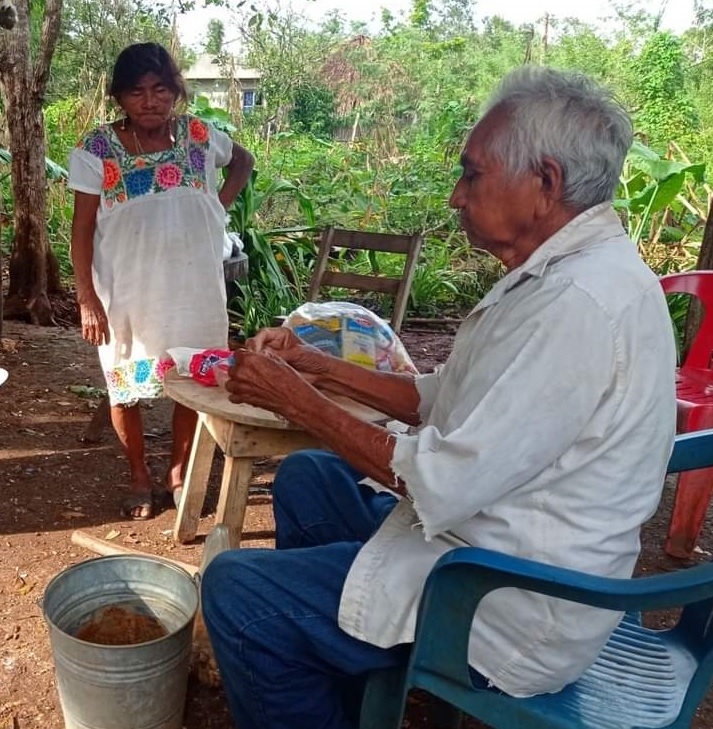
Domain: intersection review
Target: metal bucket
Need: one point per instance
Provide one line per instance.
(140, 686)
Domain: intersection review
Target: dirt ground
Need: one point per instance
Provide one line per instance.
(52, 484)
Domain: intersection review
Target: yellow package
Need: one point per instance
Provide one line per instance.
(359, 341)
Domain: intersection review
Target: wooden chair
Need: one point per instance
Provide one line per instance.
(694, 411)
(643, 678)
(335, 238)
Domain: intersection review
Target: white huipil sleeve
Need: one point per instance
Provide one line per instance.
(86, 172)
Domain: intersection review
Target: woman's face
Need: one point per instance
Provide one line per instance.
(149, 104)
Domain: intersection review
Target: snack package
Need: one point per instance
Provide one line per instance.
(351, 332)
(204, 365)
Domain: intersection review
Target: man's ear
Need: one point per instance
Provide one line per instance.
(551, 183)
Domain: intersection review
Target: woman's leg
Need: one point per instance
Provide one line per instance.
(317, 499)
(272, 619)
(183, 430)
(129, 429)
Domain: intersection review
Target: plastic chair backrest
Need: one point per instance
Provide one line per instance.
(700, 285)
(407, 245)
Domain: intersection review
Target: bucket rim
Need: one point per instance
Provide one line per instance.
(114, 557)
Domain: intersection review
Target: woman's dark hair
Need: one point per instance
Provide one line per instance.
(136, 60)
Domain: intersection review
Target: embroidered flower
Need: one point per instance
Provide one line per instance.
(112, 174)
(168, 175)
(121, 197)
(138, 182)
(116, 378)
(198, 184)
(198, 131)
(143, 370)
(140, 163)
(163, 366)
(98, 145)
(196, 157)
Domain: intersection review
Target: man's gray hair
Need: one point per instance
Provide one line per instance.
(570, 118)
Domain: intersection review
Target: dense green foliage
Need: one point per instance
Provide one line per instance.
(365, 131)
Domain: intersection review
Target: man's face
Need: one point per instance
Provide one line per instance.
(498, 212)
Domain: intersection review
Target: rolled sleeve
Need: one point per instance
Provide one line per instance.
(427, 388)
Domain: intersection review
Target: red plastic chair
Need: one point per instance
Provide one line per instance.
(694, 400)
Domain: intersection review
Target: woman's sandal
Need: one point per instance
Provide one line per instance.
(138, 506)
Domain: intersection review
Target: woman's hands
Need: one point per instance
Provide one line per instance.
(95, 327)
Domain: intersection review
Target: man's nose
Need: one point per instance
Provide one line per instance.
(455, 200)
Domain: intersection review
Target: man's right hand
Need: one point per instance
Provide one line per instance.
(274, 338)
(282, 342)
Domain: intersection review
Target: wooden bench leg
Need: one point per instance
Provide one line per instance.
(234, 496)
(195, 484)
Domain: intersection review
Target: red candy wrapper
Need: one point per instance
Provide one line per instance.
(203, 365)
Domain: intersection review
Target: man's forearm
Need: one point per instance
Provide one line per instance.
(391, 393)
(367, 447)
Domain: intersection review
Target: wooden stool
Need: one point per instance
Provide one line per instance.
(242, 433)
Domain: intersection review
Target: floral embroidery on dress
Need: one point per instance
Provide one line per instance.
(168, 175)
(131, 381)
(198, 130)
(129, 176)
(138, 182)
(112, 174)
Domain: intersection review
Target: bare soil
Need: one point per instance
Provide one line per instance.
(52, 484)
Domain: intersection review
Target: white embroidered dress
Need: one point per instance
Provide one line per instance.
(157, 264)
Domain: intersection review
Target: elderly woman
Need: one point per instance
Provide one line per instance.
(147, 236)
(545, 435)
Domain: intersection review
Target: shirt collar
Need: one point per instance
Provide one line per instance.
(598, 222)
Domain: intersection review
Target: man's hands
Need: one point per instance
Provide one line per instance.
(264, 380)
(309, 361)
(276, 371)
(95, 327)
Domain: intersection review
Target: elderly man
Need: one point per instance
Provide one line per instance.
(545, 435)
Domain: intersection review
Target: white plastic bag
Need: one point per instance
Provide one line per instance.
(351, 332)
(232, 245)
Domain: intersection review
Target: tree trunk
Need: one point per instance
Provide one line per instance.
(34, 272)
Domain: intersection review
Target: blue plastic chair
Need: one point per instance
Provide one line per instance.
(643, 678)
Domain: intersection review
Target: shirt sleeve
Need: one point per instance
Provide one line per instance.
(222, 144)
(521, 425)
(86, 172)
(427, 387)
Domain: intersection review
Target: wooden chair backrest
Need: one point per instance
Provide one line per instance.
(335, 238)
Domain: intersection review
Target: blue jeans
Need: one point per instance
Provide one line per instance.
(272, 614)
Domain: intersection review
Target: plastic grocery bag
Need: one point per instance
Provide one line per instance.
(351, 332)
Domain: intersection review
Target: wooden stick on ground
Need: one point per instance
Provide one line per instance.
(104, 547)
(100, 420)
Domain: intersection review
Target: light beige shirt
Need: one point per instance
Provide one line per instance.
(545, 435)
